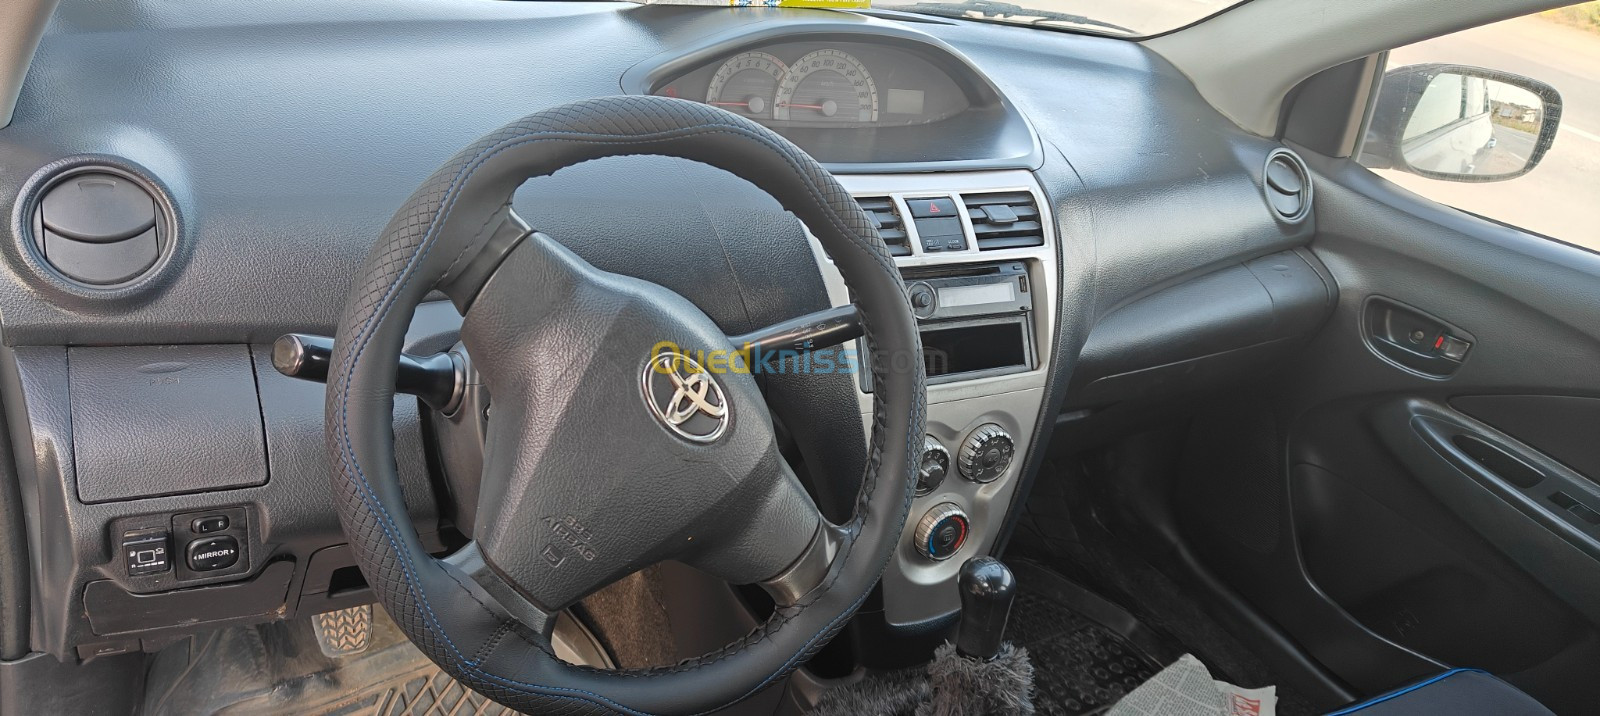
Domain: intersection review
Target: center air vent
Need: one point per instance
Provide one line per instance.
(1287, 185)
(880, 209)
(1008, 220)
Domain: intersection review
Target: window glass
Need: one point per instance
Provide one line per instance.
(1118, 18)
(1560, 197)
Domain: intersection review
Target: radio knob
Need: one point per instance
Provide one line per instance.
(942, 531)
(934, 467)
(923, 299)
(986, 453)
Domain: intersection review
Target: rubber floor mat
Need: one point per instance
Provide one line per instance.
(1080, 665)
(278, 669)
(427, 691)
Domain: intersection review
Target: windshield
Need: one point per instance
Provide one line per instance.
(1121, 18)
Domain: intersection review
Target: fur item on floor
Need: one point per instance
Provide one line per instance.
(896, 693)
(952, 685)
(968, 687)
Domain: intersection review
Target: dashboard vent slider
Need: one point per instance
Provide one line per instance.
(1007, 220)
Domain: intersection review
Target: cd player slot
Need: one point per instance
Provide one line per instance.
(954, 270)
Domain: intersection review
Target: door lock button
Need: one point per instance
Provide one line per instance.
(213, 553)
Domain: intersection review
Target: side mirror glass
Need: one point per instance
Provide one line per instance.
(1459, 123)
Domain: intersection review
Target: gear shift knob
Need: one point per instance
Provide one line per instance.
(987, 590)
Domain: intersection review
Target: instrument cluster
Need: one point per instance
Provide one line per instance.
(811, 84)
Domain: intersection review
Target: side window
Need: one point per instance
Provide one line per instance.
(1462, 119)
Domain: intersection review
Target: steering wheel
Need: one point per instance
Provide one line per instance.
(614, 443)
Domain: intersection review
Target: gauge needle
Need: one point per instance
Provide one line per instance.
(753, 105)
(828, 108)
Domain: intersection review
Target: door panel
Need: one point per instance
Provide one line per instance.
(1438, 509)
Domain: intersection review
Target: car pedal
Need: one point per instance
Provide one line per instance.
(343, 632)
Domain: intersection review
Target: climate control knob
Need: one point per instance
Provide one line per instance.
(986, 453)
(934, 467)
(942, 531)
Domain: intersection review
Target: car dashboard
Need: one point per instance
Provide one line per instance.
(1029, 183)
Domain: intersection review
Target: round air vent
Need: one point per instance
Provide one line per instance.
(99, 226)
(1287, 185)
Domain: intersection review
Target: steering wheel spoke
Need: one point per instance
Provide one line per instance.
(810, 570)
(469, 568)
(496, 239)
(769, 541)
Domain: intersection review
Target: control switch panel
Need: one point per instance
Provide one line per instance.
(145, 552)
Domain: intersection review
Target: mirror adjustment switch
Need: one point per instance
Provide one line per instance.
(213, 553)
(209, 524)
(145, 552)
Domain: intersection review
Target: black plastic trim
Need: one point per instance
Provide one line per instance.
(16, 584)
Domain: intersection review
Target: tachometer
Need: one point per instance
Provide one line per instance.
(827, 86)
(746, 83)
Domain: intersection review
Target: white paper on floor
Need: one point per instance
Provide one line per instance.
(1186, 689)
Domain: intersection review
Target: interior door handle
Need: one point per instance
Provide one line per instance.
(1412, 339)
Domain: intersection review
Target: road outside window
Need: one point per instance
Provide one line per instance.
(1560, 197)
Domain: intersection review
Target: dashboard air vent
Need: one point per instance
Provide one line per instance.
(1287, 185)
(880, 209)
(1009, 220)
(99, 227)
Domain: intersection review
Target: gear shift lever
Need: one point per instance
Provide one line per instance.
(987, 590)
(976, 675)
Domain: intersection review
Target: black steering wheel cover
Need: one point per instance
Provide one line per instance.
(448, 616)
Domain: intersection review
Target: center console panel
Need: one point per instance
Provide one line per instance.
(977, 251)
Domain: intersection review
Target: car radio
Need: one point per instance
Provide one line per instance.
(967, 290)
(975, 319)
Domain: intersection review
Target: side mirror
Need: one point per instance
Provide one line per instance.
(1460, 123)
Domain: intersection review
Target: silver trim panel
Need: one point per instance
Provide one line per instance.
(916, 589)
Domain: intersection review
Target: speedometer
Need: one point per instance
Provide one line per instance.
(827, 86)
(746, 83)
